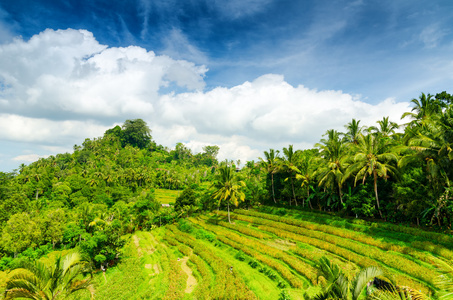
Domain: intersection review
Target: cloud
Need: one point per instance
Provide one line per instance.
(69, 72)
(29, 157)
(235, 9)
(270, 109)
(177, 45)
(266, 113)
(61, 87)
(432, 35)
(47, 132)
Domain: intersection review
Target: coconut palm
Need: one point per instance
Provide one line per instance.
(307, 167)
(338, 286)
(433, 143)
(353, 130)
(40, 281)
(333, 162)
(288, 165)
(373, 156)
(271, 165)
(386, 128)
(425, 107)
(445, 281)
(228, 187)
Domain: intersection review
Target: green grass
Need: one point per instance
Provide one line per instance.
(166, 196)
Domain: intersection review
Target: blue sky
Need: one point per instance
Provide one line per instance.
(272, 72)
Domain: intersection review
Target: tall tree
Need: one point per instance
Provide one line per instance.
(136, 133)
(333, 162)
(374, 156)
(353, 130)
(36, 280)
(307, 167)
(288, 164)
(433, 143)
(270, 164)
(228, 187)
(425, 107)
(386, 128)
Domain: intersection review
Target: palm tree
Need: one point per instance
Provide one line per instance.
(445, 280)
(373, 157)
(36, 280)
(307, 167)
(333, 153)
(353, 130)
(386, 128)
(425, 107)
(228, 187)
(288, 164)
(338, 286)
(271, 166)
(433, 143)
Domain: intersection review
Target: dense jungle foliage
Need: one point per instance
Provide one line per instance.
(105, 189)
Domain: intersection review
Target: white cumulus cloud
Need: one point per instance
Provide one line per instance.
(69, 71)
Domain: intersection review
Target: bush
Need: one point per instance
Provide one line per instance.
(240, 256)
(185, 226)
(204, 235)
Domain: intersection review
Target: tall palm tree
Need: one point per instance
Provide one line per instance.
(39, 281)
(425, 107)
(338, 286)
(433, 142)
(375, 157)
(333, 153)
(353, 130)
(228, 187)
(271, 165)
(386, 128)
(307, 167)
(288, 164)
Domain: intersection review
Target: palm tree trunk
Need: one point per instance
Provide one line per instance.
(294, 194)
(228, 205)
(308, 197)
(376, 193)
(273, 193)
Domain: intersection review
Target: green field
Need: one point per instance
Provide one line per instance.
(265, 256)
(166, 196)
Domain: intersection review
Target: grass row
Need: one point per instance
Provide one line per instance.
(256, 249)
(228, 286)
(418, 238)
(334, 245)
(343, 238)
(361, 237)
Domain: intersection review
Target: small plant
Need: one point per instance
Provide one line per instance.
(284, 295)
(253, 263)
(281, 212)
(281, 284)
(240, 256)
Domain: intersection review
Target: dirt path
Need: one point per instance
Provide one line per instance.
(191, 280)
(137, 244)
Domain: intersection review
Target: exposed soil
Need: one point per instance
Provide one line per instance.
(137, 244)
(191, 280)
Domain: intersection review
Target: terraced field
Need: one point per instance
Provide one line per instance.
(166, 196)
(265, 256)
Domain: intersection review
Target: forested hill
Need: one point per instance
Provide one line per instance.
(399, 173)
(93, 196)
